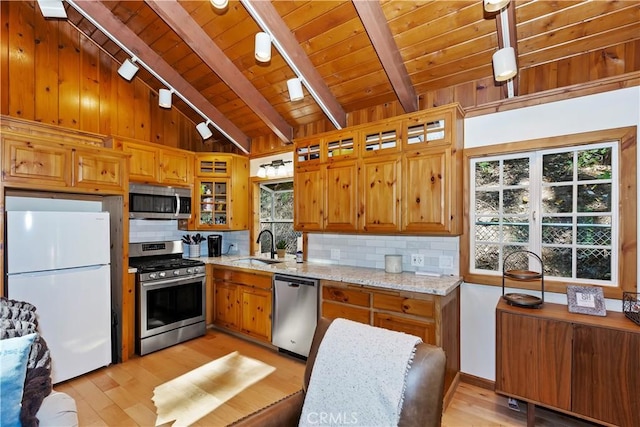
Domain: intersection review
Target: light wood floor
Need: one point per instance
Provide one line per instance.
(121, 394)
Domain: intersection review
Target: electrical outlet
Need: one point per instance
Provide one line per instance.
(417, 260)
(335, 254)
(445, 262)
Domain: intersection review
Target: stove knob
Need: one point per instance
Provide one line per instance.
(189, 271)
(176, 272)
(152, 275)
(162, 274)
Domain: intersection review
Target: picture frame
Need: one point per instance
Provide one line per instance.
(586, 300)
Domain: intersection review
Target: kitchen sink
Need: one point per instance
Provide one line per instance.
(257, 261)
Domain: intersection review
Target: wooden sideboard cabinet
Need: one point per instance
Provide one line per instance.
(586, 366)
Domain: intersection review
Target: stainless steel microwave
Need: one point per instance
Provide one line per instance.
(159, 202)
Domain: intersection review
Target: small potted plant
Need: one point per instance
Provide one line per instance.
(281, 247)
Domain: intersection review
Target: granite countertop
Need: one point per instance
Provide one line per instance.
(373, 277)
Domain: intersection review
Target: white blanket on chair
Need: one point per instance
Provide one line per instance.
(358, 378)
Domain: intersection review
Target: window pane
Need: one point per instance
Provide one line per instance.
(266, 201)
(516, 201)
(557, 167)
(594, 198)
(487, 173)
(557, 199)
(283, 205)
(594, 164)
(487, 257)
(557, 230)
(488, 229)
(516, 172)
(557, 261)
(594, 264)
(594, 231)
(487, 201)
(516, 230)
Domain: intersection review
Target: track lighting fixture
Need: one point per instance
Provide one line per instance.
(277, 168)
(504, 64)
(220, 4)
(263, 47)
(295, 89)
(203, 130)
(128, 69)
(164, 98)
(495, 5)
(52, 9)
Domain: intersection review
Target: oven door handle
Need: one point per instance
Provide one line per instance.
(172, 281)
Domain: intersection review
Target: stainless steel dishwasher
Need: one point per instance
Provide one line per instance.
(295, 313)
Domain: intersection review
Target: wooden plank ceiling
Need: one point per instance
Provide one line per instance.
(354, 54)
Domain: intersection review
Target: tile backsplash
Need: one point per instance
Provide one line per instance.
(441, 254)
(144, 230)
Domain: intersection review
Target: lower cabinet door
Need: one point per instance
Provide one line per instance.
(255, 317)
(226, 305)
(605, 384)
(423, 329)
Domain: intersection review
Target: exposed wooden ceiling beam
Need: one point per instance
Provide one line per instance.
(103, 16)
(197, 39)
(513, 40)
(266, 15)
(375, 23)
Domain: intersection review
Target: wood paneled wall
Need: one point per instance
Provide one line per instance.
(52, 74)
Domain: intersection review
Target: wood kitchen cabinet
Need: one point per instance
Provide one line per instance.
(221, 199)
(380, 194)
(157, 164)
(586, 366)
(34, 162)
(243, 301)
(308, 197)
(341, 196)
(434, 318)
(407, 173)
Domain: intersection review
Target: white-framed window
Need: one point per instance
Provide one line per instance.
(276, 214)
(560, 203)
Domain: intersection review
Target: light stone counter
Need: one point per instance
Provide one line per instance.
(373, 277)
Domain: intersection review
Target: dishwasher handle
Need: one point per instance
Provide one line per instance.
(294, 281)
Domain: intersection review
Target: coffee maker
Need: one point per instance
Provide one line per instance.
(214, 244)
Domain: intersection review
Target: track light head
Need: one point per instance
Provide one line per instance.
(52, 9)
(220, 4)
(263, 47)
(295, 89)
(128, 69)
(504, 64)
(164, 98)
(495, 5)
(203, 130)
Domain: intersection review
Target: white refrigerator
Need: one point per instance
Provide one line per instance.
(59, 262)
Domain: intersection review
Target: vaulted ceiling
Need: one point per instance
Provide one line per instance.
(353, 54)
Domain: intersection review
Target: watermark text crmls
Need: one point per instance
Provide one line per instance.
(331, 418)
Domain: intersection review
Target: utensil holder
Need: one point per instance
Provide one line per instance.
(194, 251)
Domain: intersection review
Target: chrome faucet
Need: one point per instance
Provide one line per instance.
(273, 242)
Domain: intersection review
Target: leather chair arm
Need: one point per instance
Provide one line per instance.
(284, 412)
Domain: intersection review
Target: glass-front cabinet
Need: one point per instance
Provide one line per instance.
(213, 199)
(220, 192)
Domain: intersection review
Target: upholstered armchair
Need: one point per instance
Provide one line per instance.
(423, 396)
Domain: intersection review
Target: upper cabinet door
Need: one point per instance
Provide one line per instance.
(426, 199)
(308, 199)
(381, 139)
(175, 167)
(27, 160)
(380, 194)
(143, 163)
(341, 196)
(213, 166)
(100, 170)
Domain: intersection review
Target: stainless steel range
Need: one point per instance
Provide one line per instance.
(170, 295)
